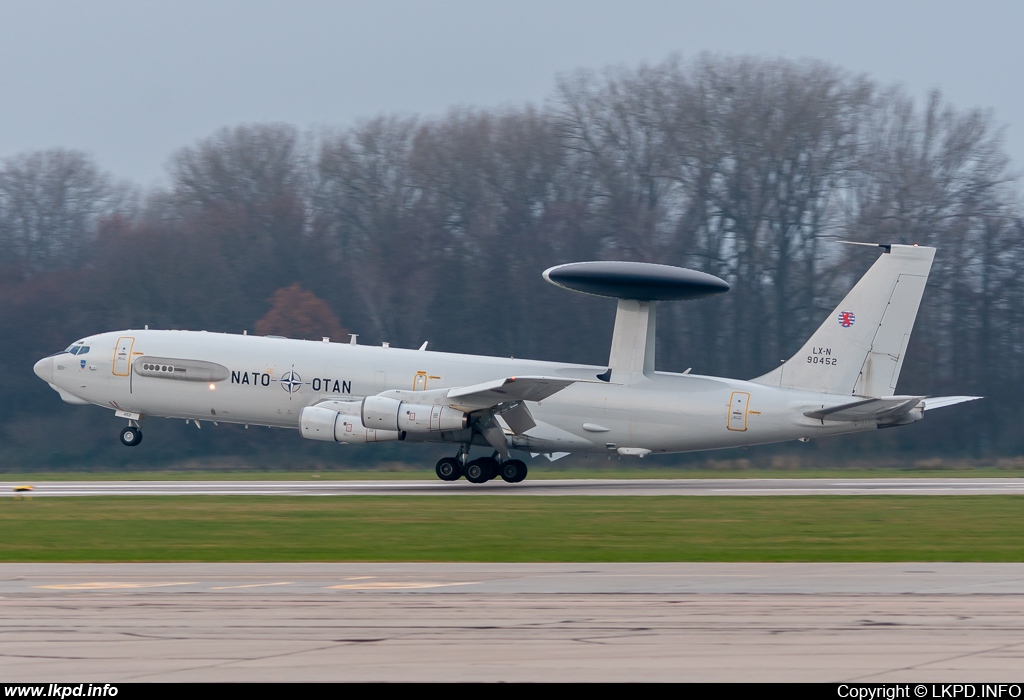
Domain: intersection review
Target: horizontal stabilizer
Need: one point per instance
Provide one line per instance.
(868, 409)
(941, 401)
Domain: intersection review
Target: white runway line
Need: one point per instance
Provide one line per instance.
(580, 487)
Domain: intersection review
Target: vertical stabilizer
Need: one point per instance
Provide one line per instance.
(632, 354)
(860, 347)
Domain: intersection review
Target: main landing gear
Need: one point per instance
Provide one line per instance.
(448, 469)
(480, 470)
(131, 436)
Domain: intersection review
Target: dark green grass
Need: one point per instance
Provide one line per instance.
(513, 529)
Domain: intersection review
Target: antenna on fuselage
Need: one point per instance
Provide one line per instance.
(637, 286)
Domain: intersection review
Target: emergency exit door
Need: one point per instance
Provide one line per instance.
(738, 402)
(419, 382)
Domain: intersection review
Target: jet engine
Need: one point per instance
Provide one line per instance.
(340, 423)
(386, 413)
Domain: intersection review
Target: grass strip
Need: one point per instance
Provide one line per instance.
(513, 529)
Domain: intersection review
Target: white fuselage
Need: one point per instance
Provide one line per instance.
(268, 381)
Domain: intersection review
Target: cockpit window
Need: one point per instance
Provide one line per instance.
(83, 350)
(78, 349)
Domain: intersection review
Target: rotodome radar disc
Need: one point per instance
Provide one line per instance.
(635, 280)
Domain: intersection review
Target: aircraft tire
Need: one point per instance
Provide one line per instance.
(448, 469)
(491, 467)
(513, 471)
(478, 471)
(131, 436)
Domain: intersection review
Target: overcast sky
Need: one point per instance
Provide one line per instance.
(131, 82)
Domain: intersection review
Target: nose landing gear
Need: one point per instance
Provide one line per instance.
(131, 436)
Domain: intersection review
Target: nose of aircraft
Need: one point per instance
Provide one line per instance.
(44, 369)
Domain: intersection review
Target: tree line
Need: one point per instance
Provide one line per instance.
(404, 229)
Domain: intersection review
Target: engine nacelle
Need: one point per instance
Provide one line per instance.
(322, 423)
(386, 413)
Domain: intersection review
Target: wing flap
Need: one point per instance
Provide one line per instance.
(518, 418)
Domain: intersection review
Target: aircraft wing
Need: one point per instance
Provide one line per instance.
(500, 397)
(477, 397)
(868, 409)
(502, 391)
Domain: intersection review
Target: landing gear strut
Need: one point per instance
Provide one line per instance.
(131, 436)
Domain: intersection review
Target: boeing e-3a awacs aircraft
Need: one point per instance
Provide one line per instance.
(843, 380)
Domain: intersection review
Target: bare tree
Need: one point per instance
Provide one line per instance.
(50, 205)
(725, 164)
(367, 209)
(241, 198)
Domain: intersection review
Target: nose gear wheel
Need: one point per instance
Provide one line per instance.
(131, 436)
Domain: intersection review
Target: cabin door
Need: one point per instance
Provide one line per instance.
(123, 356)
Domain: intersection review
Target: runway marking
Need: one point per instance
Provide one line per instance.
(812, 490)
(251, 585)
(925, 484)
(396, 585)
(940, 486)
(110, 585)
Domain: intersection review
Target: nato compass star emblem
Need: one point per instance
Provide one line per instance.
(291, 381)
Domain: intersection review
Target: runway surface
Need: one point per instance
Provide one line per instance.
(554, 487)
(927, 622)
